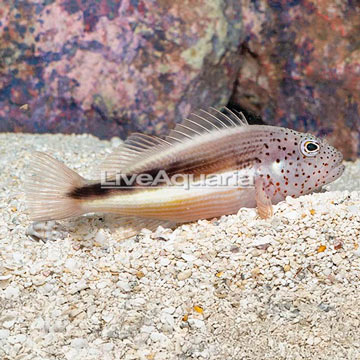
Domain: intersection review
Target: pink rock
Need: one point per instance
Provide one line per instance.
(111, 67)
(301, 67)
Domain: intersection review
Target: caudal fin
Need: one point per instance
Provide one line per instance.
(47, 189)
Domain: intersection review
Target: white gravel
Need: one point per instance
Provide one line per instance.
(232, 288)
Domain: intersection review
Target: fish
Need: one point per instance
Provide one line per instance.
(261, 164)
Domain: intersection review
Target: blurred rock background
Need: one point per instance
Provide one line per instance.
(111, 67)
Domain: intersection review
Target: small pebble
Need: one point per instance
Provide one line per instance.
(79, 343)
(184, 275)
(337, 259)
(4, 334)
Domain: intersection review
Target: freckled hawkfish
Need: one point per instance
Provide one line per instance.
(263, 164)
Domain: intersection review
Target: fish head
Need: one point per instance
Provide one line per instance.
(319, 160)
(298, 163)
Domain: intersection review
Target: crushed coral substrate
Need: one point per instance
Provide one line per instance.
(237, 287)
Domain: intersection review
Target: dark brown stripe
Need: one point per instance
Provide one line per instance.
(99, 190)
(212, 165)
(87, 191)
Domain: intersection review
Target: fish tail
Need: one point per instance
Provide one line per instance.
(48, 187)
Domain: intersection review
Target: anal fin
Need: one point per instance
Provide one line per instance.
(126, 227)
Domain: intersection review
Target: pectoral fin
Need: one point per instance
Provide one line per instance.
(263, 201)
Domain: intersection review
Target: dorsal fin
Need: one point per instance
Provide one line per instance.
(202, 121)
(139, 146)
(135, 145)
(145, 141)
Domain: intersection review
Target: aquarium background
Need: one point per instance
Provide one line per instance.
(112, 67)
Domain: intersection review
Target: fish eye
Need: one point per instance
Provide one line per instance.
(309, 147)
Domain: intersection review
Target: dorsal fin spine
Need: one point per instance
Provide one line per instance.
(243, 118)
(191, 130)
(175, 139)
(215, 118)
(152, 140)
(210, 123)
(199, 125)
(224, 115)
(182, 133)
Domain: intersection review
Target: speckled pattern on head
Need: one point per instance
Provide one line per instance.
(288, 169)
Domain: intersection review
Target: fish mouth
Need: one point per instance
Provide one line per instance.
(336, 171)
(338, 162)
